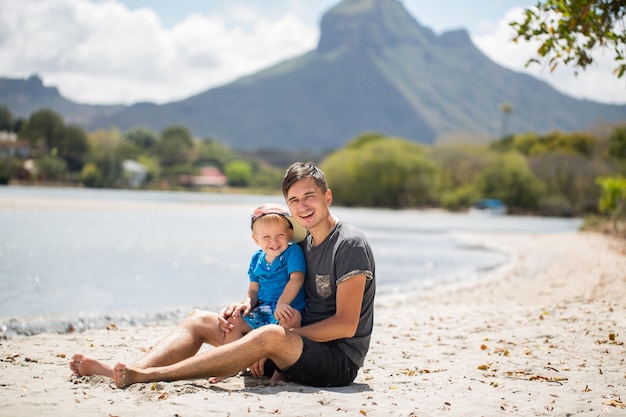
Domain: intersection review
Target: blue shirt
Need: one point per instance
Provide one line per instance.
(273, 277)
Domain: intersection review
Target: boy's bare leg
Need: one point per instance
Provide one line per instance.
(183, 342)
(239, 329)
(274, 342)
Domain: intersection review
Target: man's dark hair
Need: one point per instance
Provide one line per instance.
(300, 170)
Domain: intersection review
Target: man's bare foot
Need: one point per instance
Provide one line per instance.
(83, 365)
(217, 379)
(121, 375)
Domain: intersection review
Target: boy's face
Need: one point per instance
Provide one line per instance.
(272, 236)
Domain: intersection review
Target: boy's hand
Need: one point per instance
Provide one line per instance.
(225, 314)
(241, 309)
(284, 312)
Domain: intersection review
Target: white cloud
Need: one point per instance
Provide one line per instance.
(596, 83)
(105, 53)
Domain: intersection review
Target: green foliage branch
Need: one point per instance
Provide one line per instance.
(613, 197)
(570, 30)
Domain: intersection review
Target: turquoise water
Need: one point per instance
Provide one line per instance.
(143, 262)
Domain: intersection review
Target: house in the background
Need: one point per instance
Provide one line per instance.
(12, 147)
(208, 177)
(134, 172)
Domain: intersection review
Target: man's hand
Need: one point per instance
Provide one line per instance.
(258, 368)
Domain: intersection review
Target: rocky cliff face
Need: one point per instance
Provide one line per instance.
(370, 25)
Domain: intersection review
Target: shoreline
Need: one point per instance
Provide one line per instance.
(82, 321)
(542, 335)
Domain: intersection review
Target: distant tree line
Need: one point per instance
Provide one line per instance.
(68, 154)
(555, 174)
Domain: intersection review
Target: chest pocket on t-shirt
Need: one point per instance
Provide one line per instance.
(322, 285)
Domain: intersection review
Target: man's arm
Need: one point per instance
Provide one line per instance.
(346, 319)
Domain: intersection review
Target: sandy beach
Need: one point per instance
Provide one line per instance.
(541, 336)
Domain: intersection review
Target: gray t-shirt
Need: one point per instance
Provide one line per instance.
(343, 254)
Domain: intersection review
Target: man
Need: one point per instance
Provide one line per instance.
(337, 322)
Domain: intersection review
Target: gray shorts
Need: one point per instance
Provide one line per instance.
(322, 365)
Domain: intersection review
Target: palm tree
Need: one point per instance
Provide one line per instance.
(506, 109)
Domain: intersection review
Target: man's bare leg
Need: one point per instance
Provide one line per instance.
(295, 321)
(274, 342)
(183, 342)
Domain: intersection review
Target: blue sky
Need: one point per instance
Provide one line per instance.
(125, 51)
(454, 14)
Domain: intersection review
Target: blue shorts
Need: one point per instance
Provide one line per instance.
(321, 365)
(261, 315)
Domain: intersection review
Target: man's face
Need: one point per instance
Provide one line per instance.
(307, 203)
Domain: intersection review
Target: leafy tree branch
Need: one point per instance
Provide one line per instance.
(569, 31)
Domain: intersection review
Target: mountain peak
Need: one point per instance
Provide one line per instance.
(456, 38)
(370, 24)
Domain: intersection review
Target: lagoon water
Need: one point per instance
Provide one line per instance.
(141, 256)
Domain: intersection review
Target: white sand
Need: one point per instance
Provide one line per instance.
(543, 336)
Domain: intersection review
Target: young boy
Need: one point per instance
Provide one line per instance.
(276, 293)
(276, 272)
